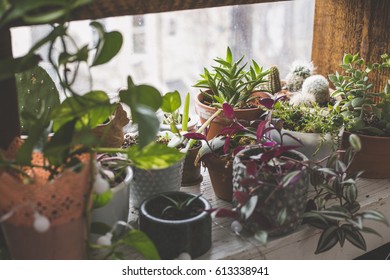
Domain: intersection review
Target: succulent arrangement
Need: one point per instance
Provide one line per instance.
(298, 73)
(367, 112)
(230, 82)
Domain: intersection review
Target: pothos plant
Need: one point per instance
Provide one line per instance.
(80, 112)
(334, 209)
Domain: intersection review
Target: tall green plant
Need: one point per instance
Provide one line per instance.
(230, 82)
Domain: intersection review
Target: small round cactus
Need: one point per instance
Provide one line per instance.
(298, 73)
(274, 80)
(300, 98)
(317, 86)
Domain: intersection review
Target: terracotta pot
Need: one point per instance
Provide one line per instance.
(272, 200)
(373, 158)
(173, 237)
(221, 176)
(191, 173)
(62, 200)
(220, 122)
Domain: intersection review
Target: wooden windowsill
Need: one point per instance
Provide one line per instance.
(299, 245)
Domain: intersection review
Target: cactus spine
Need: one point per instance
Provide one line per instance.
(36, 92)
(299, 72)
(317, 86)
(274, 80)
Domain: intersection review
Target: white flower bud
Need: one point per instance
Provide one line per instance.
(41, 223)
(184, 256)
(105, 240)
(100, 185)
(236, 226)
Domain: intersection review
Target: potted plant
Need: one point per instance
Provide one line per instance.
(270, 191)
(367, 113)
(177, 222)
(230, 83)
(180, 125)
(47, 184)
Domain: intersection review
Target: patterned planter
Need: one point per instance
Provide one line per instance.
(150, 182)
(272, 200)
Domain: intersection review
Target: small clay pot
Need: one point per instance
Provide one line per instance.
(373, 158)
(220, 122)
(221, 176)
(191, 172)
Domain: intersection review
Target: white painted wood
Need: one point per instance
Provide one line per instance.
(299, 245)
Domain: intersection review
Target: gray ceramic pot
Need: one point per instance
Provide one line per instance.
(150, 182)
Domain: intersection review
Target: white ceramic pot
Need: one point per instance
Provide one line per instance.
(314, 147)
(118, 207)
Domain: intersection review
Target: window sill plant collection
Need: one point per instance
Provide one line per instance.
(49, 184)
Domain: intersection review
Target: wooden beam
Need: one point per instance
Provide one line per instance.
(9, 111)
(351, 26)
(107, 8)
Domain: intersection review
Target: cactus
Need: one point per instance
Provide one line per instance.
(274, 80)
(317, 86)
(299, 72)
(300, 98)
(35, 90)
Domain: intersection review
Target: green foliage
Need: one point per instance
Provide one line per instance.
(230, 82)
(179, 205)
(343, 220)
(35, 90)
(367, 112)
(274, 85)
(154, 156)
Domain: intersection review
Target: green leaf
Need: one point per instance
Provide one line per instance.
(10, 66)
(109, 44)
(261, 236)
(148, 125)
(282, 215)
(355, 142)
(100, 200)
(376, 216)
(355, 237)
(171, 101)
(154, 156)
(140, 241)
(328, 240)
(91, 109)
(334, 215)
(99, 228)
(370, 230)
(351, 193)
(57, 150)
(229, 56)
(250, 206)
(347, 58)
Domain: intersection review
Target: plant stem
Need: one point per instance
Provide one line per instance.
(186, 109)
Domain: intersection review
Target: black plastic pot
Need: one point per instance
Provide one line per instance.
(173, 237)
(191, 173)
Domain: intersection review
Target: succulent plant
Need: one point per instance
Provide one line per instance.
(274, 80)
(37, 92)
(298, 73)
(317, 86)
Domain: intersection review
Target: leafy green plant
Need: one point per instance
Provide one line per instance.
(335, 209)
(229, 81)
(181, 208)
(367, 112)
(309, 119)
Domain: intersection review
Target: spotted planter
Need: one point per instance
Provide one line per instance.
(272, 201)
(150, 182)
